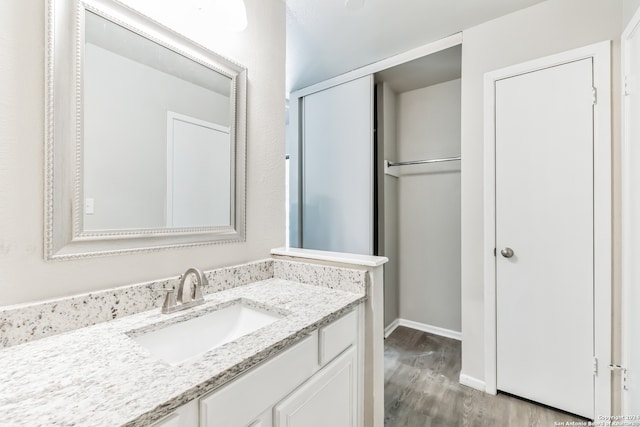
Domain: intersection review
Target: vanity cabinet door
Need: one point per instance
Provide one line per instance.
(329, 398)
(264, 420)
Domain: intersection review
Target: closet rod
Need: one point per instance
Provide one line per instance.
(421, 162)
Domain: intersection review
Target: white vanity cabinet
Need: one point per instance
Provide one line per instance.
(329, 398)
(241, 401)
(184, 416)
(298, 387)
(316, 382)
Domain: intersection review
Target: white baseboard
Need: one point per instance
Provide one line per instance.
(472, 382)
(447, 333)
(392, 327)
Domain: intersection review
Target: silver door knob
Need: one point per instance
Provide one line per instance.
(507, 252)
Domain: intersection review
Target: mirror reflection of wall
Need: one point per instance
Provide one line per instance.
(133, 89)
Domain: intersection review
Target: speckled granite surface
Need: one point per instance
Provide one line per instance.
(28, 322)
(347, 279)
(97, 376)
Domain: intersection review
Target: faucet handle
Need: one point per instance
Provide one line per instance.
(169, 301)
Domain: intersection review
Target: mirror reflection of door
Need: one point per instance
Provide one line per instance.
(198, 173)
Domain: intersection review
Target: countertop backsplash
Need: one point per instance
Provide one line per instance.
(27, 322)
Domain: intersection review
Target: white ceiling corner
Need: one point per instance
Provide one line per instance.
(326, 38)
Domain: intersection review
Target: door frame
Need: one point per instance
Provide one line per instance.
(601, 54)
(628, 188)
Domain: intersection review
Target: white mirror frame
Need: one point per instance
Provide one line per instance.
(64, 235)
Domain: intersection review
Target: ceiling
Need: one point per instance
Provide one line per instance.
(326, 38)
(110, 36)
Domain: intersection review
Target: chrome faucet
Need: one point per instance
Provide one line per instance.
(189, 297)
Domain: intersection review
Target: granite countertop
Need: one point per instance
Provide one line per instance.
(98, 376)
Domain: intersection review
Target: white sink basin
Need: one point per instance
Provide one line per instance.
(181, 341)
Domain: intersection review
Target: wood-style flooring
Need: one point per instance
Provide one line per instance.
(422, 389)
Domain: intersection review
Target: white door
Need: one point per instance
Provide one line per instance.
(198, 173)
(631, 221)
(544, 236)
(337, 177)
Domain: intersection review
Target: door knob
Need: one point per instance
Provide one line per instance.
(507, 252)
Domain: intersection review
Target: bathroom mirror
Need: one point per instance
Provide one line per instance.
(145, 135)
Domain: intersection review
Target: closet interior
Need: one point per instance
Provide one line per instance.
(418, 114)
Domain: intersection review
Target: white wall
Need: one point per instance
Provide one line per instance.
(544, 29)
(391, 205)
(24, 275)
(125, 136)
(629, 7)
(428, 126)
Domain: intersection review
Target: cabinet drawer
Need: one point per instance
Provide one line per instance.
(337, 337)
(239, 402)
(186, 415)
(172, 420)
